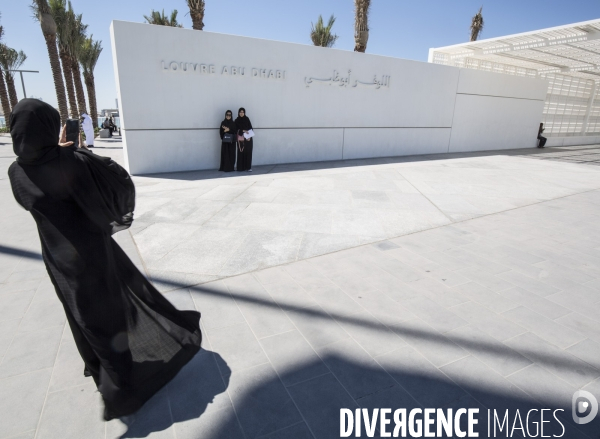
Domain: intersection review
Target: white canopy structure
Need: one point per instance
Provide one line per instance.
(567, 56)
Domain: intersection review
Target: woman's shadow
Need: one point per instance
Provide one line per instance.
(199, 386)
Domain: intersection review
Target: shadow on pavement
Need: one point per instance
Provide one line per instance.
(340, 164)
(277, 407)
(195, 389)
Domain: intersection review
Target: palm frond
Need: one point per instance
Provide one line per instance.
(161, 19)
(321, 35)
(10, 59)
(476, 25)
(89, 53)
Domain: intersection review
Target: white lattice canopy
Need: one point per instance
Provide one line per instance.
(568, 56)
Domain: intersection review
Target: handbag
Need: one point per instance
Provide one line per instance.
(227, 138)
(240, 138)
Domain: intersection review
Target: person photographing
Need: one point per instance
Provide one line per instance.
(131, 339)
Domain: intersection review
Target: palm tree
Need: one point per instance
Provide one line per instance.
(197, 13)
(10, 60)
(361, 24)
(60, 15)
(476, 25)
(77, 36)
(43, 15)
(321, 35)
(161, 19)
(88, 57)
(3, 93)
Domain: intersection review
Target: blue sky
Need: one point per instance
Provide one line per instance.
(399, 28)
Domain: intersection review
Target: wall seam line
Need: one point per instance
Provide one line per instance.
(453, 111)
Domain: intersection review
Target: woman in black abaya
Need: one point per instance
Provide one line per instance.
(244, 154)
(227, 148)
(131, 339)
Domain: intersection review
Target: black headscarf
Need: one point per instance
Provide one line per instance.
(34, 146)
(228, 123)
(243, 123)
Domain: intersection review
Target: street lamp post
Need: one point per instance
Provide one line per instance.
(22, 81)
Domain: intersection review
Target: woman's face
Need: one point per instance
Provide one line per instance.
(227, 115)
(241, 113)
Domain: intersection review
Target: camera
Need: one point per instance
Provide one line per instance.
(73, 129)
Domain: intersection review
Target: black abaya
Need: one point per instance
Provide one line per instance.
(244, 150)
(227, 149)
(132, 340)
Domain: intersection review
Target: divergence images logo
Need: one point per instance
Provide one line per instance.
(585, 407)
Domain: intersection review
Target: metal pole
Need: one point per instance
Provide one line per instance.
(588, 110)
(23, 84)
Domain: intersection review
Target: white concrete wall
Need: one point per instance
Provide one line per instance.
(170, 117)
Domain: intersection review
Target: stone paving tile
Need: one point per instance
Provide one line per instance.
(348, 362)
(487, 349)
(544, 327)
(31, 351)
(485, 320)
(428, 385)
(559, 362)
(293, 358)
(588, 351)
(262, 403)
(484, 384)
(534, 302)
(433, 345)
(238, 347)
(22, 401)
(319, 400)
(435, 315)
(72, 414)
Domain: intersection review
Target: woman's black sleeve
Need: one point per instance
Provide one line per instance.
(221, 131)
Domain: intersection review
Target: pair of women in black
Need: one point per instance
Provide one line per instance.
(243, 148)
(132, 340)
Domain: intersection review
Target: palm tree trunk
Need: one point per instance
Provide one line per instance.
(66, 65)
(197, 20)
(4, 99)
(48, 26)
(59, 85)
(91, 91)
(78, 86)
(12, 91)
(361, 25)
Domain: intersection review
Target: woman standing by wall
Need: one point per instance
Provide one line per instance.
(244, 154)
(228, 142)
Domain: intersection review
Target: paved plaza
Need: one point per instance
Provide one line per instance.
(459, 280)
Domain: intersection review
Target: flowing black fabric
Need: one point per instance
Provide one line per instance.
(244, 150)
(131, 339)
(227, 149)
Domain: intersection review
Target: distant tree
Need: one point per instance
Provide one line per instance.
(476, 25)
(162, 20)
(42, 14)
(58, 9)
(321, 35)
(10, 60)
(361, 24)
(88, 57)
(197, 13)
(4, 101)
(77, 36)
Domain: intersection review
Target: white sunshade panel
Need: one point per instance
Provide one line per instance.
(564, 55)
